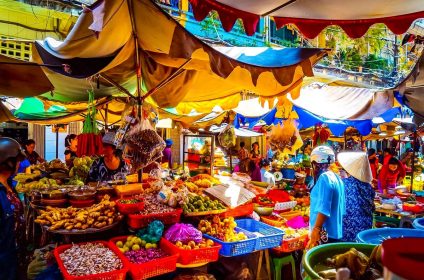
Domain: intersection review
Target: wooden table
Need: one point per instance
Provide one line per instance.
(405, 217)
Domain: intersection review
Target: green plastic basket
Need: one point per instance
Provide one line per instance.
(322, 252)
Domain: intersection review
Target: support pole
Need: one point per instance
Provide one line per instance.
(57, 141)
(106, 117)
(413, 160)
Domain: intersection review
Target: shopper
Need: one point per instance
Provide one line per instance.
(244, 158)
(327, 199)
(71, 144)
(11, 210)
(111, 165)
(391, 175)
(359, 194)
(32, 156)
(167, 153)
(374, 164)
(254, 171)
(266, 175)
(23, 166)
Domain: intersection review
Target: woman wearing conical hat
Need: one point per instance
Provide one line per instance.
(358, 192)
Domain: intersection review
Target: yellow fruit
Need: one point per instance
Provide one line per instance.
(130, 237)
(178, 244)
(154, 245)
(148, 245)
(143, 243)
(135, 247)
(122, 250)
(126, 249)
(119, 244)
(209, 243)
(137, 241)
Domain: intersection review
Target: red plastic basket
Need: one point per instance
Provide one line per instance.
(153, 268)
(112, 275)
(195, 256)
(131, 208)
(292, 244)
(137, 221)
(240, 211)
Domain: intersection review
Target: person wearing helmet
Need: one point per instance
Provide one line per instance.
(359, 194)
(10, 207)
(327, 199)
(167, 153)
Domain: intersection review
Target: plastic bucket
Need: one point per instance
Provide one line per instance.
(378, 235)
(321, 253)
(419, 224)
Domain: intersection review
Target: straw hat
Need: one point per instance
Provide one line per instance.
(356, 164)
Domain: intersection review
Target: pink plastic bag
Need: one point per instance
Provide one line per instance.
(296, 222)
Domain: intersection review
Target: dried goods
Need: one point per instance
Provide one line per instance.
(145, 255)
(90, 258)
(144, 145)
(97, 216)
(153, 205)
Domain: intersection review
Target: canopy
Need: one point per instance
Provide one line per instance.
(312, 16)
(20, 78)
(410, 91)
(116, 39)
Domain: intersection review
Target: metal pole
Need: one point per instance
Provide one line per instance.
(106, 115)
(57, 141)
(413, 160)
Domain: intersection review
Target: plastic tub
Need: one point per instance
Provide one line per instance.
(112, 275)
(137, 221)
(195, 256)
(152, 268)
(129, 208)
(378, 235)
(320, 253)
(231, 249)
(267, 236)
(239, 211)
(419, 223)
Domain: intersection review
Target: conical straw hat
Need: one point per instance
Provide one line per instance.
(356, 164)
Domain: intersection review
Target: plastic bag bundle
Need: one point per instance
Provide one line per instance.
(285, 137)
(152, 233)
(184, 233)
(227, 137)
(144, 145)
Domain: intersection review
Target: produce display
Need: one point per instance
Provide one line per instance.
(224, 229)
(294, 233)
(153, 205)
(97, 216)
(24, 177)
(134, 243)
(145, 255)
(198, 203)
(89, 258)
(204, 181)
(79, 172)
(191, 245)
(42, 184)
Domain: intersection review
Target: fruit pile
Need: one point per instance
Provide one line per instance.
(134, 243)
(264, 200)
(197, 203)
(79, 171)
(294, 233)
(224, 229)
(191, 245)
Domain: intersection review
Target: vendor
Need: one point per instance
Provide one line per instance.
(254, 171)
(111, 164)
(243, 156)
(406, 159)
(359, 194)
(254, 153)
(327, 199)
(71, 147)
(391, 175)
(266, 175)
(32, 156)
(11, 209)
(167, 153)
(374, 164)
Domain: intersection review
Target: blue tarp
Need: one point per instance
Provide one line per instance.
(338, 127)
(269, 118)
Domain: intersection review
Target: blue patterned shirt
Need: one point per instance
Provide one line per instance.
(359, 208)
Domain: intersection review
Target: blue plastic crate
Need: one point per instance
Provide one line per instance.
(267, 236)
(237, 248)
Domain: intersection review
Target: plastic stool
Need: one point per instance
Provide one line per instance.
(280, 262)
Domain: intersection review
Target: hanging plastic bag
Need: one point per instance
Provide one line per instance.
(227, 137)
(143, 145)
